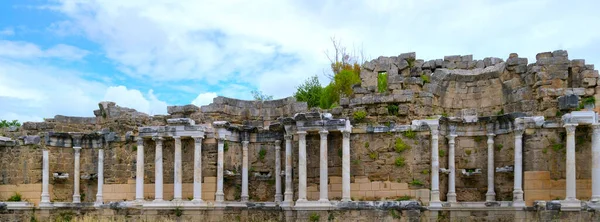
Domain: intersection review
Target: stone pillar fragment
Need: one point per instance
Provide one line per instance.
(451, 196)
(76, 173)
(346, 166)
(289, 189)
(197, 169)
(435, 167)
(177, 191)
(571, 202)
(518, 200)
(99, 194)
(45, 177)
(158, 169)
(595, 163)
(323, 183)
(139, 173)
(301, 166)
(219, 194)
(491, 194)
(278, 195)
(244, 194)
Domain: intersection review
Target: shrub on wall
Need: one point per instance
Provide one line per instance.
(359, 115)
(382, 82)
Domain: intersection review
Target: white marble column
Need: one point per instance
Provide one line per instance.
(323, 183)
(197, 169)
(99, 199)
(346, 166)
(244, 195)
(491, 194)
(278, 195)
(177, 189)
(219, 195)
(158, 169)
(45, 177)
(139, 175)
(289, 190)
(595, 162)
(571, 179)
(435, 167)
(451, 196)
(301, 166)
(76, 173)
(518, 200)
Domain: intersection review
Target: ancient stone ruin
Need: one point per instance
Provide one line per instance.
(444, 140)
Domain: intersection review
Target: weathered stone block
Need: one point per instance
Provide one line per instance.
(536, 175)
(568, 102)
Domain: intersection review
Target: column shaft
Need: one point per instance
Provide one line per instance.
(323, 183)
(244, 195)
(177, 193)
(139, 175)
(346, 166)
(595, 163)
(278, 195)
(197, 169)
(158, 169)
(219, 195)
(45, 176)
(99, 199)
(301, 166)
(571, 179)
(518, 169)
(435, 166)
(76, 173)
(289, 190)
(491, 194)
(451, 196)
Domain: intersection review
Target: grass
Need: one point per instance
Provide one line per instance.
(545, 150)
(589, 100)
(425, 78)
(178, 211)
(557, 147)
(14, 198)
(499, 147)
(403, 198)
(382, 83)
(225, 146)
(400, 146)
(356, 161)
(442, 153)
(373, 155)
(359, 115)
(409, 134)
(500, 113)
(262, 153)
(395, 214)
(367, 145)
(416, 182)
(314, 217)
(399, 161)
(468, 152)
(425, 171)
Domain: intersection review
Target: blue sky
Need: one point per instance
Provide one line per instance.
(63, 57)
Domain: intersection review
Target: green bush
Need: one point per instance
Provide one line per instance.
(400, 145)
(359, 115)
(442, 153)
(416, 182)
(405, 197)
(382, 82)
(409, 134)
(425, 78)
(310, 92)
(14, 198)
(225, 146)
(399, 161)
(328, 97)
(373, 155)
(262, 153)
(367, 145)
(314, 217)
(6, 123)
(392, 109)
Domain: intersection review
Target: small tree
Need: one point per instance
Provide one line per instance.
(310, 92)
(260, 96)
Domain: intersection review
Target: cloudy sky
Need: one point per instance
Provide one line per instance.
(63, 57)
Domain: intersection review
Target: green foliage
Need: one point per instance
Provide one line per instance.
(416, 182)
(225, 146)
(310, 92)
(66, 216)
(356, 161)
(403, 198)
(557, 147)
(425, 78)
(261, 153)
(400, 145)
(367, 145)
(558, 113)
(545, 150)
(382, 82)
(260, 96)
(444, 114)
(314, 217)
(178, 211)
(328, 97)
(500, 113)
(399, 161)
(344, 80)
(468, 152)
(589, 100)
(14, 198)
(359, 115)
(499, 147)
(392, 109)
(442, 153)
(425, 171)
(373, 155)
(340, 153)
(411, 62)
(395, 214)
(410, 134)
(6, 123)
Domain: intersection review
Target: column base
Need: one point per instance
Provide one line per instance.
(346, 199)
(219, 197)
(324, 201)
(244, 198)
(278, 198)
(518, 204)
(197, 200)
(76, 199)
(595, 199)
(570, 205)
(435, 205)
(158, 200)
(489, 197)
(451, 197)
(313, 205)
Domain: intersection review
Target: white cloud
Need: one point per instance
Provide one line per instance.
(27, 50)
(133, 98)
(8, 31)
(275, 44)
(204, 98)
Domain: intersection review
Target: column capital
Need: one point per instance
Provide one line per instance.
(570, 127)
(490, 139)
(177, 137)
(77, 148)
(76, 139)
(140, 141)
(277, 144)
(220, 139)
(157, 138)
(197, 139)
(288, 136)
(301, 133)
(519, 132)
(245, 142)
(595, 126)
(346, 133)
(451, 137)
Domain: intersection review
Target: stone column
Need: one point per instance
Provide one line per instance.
(244, 195)
(518, 200)
(323, 183)
(289, 190)
(219, 195)
(45, 177)
(278, 195)
(139, 176)
(158, 170)
(301, 166)
(76, 172)
(595, 163)
(451, 196)
(435, 167)
(346, 166)
(99, 199)
(177, 192)
(197, 169)
(571, 179)
(490, 195)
